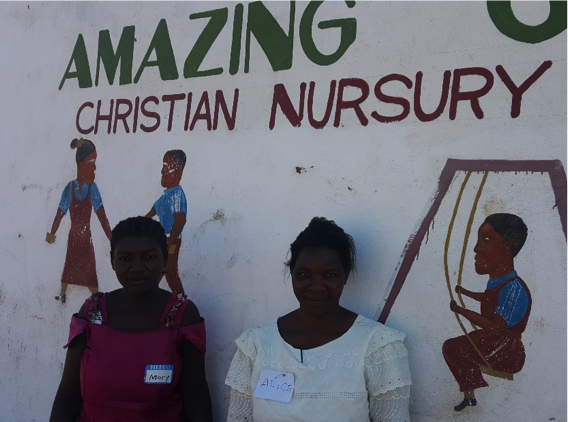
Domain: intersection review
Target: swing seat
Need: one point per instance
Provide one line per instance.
(498, 374)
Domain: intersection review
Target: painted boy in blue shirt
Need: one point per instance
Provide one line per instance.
(171, 209)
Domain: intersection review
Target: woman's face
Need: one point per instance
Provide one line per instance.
(87, 167)
(138, 263)
(318, 279)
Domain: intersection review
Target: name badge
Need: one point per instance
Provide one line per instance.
(274, 385)
(159, 374)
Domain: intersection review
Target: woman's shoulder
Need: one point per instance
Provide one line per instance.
(253, 337)
(377, 331)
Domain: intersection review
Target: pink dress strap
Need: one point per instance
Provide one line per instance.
(173, 312)
(77, 327)
(96, 313)
(195, 333)
(172, 316)
(95, 308)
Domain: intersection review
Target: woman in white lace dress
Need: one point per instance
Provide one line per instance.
(321, 362)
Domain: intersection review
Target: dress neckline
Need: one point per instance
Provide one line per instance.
(342, 336)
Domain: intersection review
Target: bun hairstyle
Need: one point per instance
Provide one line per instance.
(511, 228)
(324, 233)
(84, 148)
(138, 227)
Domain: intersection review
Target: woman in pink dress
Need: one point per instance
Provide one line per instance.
(136, 353)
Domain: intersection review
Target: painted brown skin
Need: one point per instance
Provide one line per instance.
(85, 174)
(318, 278)
(171, 177)
(493, 257)
(138, 263)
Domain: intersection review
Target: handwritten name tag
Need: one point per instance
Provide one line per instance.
(159, 374)
(274, 385)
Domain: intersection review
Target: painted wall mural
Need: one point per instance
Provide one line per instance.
(171, 209)
(79, 198)
(496, 347)
(493, 346)
(434, 132)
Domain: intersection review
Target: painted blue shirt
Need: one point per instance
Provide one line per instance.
(513, 300)
(172, 201)
(80, 194)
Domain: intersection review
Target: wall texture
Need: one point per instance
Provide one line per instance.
(374, 119)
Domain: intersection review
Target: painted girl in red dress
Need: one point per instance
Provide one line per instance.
(79, 197)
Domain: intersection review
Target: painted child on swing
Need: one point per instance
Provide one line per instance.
(505, 308)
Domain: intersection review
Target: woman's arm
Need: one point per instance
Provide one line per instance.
(195, 391)
(239, 379)
(68, 400)
(387, 375)
(392, 406)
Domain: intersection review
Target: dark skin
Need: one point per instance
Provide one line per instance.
(493, 257)
(137, 307)
(318, 278)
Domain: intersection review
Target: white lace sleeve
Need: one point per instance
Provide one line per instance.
(387, 375)
(239, 379)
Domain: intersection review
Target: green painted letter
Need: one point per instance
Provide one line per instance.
(165, 59)
(110, 59)
(348, 28)
(82, 70)
(204, 43)
(277, 46)
(501, 13)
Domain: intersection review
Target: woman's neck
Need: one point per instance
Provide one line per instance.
(138, 301)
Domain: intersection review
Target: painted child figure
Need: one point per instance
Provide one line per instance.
(505, 308)
(171, 209)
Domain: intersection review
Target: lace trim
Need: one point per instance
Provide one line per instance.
(170, 317)
(382, 336)
(391, 407)
(387, 369)
(245, 343)
(240, 407)
(94, 313)
(239, 374)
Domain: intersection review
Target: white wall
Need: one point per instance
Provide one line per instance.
(247, 203)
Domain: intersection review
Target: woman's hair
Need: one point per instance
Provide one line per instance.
(511, 228)
(139, 227)
(84, 148)
(324, 233)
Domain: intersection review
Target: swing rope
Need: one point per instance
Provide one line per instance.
(447, 246)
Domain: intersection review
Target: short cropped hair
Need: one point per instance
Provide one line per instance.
(138, 227)
(511, 228)
(178, 157)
